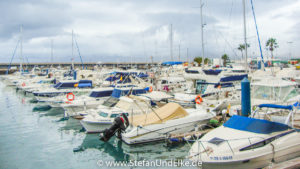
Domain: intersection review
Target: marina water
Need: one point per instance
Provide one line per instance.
(32, 139)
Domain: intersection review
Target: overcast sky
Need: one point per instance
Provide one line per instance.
(134, 30)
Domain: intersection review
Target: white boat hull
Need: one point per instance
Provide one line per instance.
(94, 127)
(161, 131)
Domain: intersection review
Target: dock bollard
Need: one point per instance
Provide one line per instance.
(246, 97)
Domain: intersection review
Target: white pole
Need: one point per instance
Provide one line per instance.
(179, 51)
(52, 52)
(171, 43)
(187, 55)
(202, 43)
(290, 50)
(21, 48)
(73, 49)
(245, 36)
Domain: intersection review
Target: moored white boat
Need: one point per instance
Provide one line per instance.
(169, 119)
(244, 142)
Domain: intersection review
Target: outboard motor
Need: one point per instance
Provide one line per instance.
(120, 124)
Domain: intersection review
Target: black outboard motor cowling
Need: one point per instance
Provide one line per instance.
(120, 124)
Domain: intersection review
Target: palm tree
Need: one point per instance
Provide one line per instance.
(242, 47)
(198, 60)
(206, 61)
(271, 45)
(225, 59)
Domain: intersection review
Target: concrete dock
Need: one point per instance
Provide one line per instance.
(87, 65)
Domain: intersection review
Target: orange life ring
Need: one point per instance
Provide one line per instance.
(70, 94)
(150, 89)
(198, 99)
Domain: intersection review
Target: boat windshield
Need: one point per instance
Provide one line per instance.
(274, 93)
(111, 101)
(102, 114)
(114, 115)
(106, 93)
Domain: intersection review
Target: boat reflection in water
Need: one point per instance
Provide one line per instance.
(120, 151)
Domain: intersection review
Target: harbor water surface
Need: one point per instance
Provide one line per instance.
(33, 139)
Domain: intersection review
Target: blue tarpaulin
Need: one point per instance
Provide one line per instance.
(172, 63)
(254, 125)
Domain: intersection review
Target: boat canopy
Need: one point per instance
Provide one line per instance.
(73, 84)
(64, 85)
(123, 75)
(117, 93)
(169, 111)
(275, 106)
(254, 125)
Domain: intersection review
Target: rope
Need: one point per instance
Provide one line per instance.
(79, 53)
(12, 57)
(261, 55)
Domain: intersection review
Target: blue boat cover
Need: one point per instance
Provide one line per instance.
(224, 85)
(233, 78)
(289, 107)
(85, 83)
(172, 63)
(212, 71)
(117, 93)
(64, 85)
(254, 125)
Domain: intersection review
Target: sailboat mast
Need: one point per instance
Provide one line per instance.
(21, 48)
(171, 43)
(72, 49)
(245, 36)
(179, 51)
(51, 52)
(202, 43)
(187, 55)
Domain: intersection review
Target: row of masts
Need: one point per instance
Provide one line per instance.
(202, 36)
(51, 44)
(171, 40)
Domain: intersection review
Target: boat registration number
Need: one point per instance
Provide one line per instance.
(221, 158)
